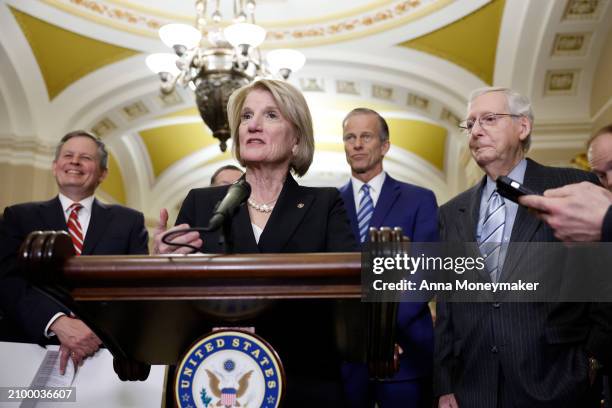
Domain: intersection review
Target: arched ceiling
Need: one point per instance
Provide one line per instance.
(70, 64)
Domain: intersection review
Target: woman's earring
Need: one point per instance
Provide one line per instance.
(294, 150)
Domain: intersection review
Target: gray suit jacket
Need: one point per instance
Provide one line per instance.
(539, 349)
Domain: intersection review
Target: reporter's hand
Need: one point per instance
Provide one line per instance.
(447, 401)
(191, 238)
(575, 212)
(77, 341)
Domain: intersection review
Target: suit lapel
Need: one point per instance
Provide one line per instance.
(468, 214)
(52, 215)
(242, 230)
(346, 192)
(525, 224)
(98, 223)
(389, 194)
(293, 203)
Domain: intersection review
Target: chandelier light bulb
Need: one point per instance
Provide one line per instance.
(224, 61)
(285, 59)
(180, 34)
(244, 34)
(163, 62)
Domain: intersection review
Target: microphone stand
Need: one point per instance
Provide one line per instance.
(222, 217)
(226, 237)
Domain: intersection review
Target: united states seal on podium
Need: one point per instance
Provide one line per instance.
(229, 368)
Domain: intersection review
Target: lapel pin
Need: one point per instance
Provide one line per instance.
(300, 205)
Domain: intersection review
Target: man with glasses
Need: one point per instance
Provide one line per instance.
(510, 354)
(373, 199)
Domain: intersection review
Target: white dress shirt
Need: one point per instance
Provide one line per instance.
(375, 187)
(84, 216)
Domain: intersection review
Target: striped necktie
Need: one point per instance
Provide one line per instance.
(492, 234)
(74, 228)
(366, 209)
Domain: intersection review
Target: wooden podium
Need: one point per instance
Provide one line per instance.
(149, 309)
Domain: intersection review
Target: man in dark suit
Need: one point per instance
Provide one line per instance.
(80, 165)
(510, 354)
(582, 212)
(393, 204)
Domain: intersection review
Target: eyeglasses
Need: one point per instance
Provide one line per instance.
(486, 121)
(352, 139)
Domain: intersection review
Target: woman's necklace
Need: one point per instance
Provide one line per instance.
(264, 208)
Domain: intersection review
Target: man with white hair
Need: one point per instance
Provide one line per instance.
(510, 354)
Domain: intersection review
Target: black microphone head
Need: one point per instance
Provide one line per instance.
(244, 185)
(236, 194)
(239, 192)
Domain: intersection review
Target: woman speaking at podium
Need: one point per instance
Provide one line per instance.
(272, 135)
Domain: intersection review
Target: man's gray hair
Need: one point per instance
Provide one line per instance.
(517, 105)
(382, 123)
(102, 152)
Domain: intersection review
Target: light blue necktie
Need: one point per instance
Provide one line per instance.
(492, 234)
(366, 209)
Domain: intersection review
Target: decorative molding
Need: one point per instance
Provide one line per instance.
(29, 152)
(135, 110)
(359, 21)
(382, 92)
(417, 101)
(103, 127)
(312, 84)
(167, 100)
(561, 82)
(571, 44)
(583, 9)
(347, 87)
(449, 117)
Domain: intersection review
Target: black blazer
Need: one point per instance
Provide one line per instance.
(541, 348)
(303, 332)
(113, 230)
(304, 219)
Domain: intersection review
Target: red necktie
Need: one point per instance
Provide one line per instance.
(74, 228)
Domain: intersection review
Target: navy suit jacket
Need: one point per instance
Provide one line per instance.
(113, 230)
(415, 210)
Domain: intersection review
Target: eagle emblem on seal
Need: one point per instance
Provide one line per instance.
(228, 395)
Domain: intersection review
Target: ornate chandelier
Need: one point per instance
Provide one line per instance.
(214, 58)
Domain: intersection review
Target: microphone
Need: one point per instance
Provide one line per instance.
(236, 195)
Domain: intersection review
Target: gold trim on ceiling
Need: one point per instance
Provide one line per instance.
(152, 26)
(384, 15)
(470, 42)
(63, 56)
(285, 23)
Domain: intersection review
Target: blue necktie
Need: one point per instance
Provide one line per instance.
(492, 234)
(366, 209)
